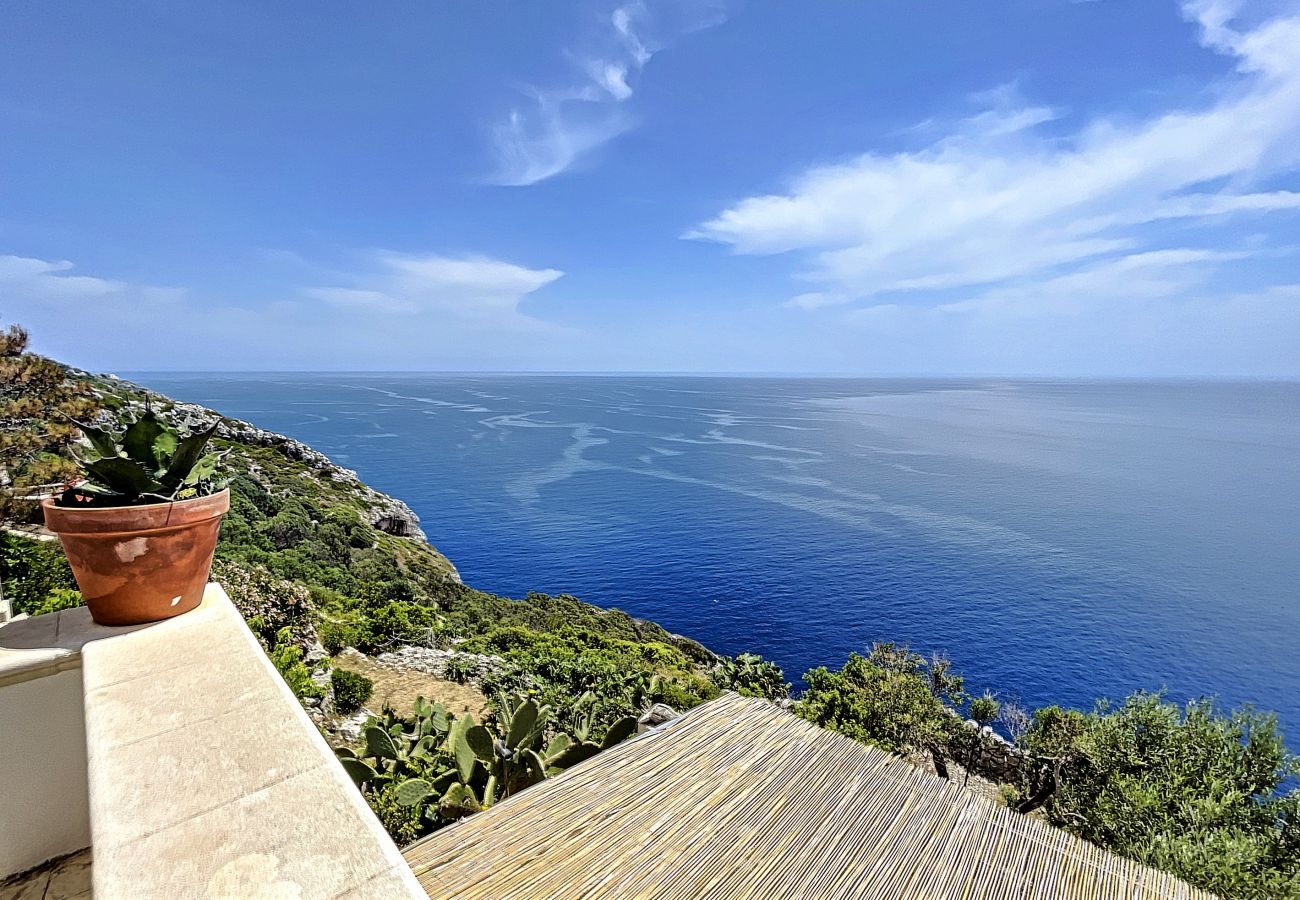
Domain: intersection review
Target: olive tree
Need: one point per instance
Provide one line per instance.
(1191, 790)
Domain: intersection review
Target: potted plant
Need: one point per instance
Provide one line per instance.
(140, 530)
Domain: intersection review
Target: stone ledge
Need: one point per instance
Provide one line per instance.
(206, 777)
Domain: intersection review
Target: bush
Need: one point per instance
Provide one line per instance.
(1192, 791)
(288, 660)
(336, 636)
(686, 691)
(32, 571)
(460, 669)
(59, 598)
(892, 699)
(401, 822)
(289, 527)
(752, 676)
(399, 623)
(351, 690)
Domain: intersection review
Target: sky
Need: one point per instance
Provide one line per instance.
(1023, 187)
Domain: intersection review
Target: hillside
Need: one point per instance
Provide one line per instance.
(335, 578)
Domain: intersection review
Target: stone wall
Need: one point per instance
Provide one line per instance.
(995, 757)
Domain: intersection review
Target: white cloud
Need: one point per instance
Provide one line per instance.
(43, 278)
(562, 125)
(995, 199)
(1144, 315)
(389, 310)
(38, 280)
(468, 288)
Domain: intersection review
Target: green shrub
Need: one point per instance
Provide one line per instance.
(1192, 790)
(891, 698)
(336, 636)
(59, 598)
(32, 571)
(752, 676)
(289, 527)
(459, 669)
(351, 690)
(399, 623)
(288, 660)
(684, 692)
(403, 823)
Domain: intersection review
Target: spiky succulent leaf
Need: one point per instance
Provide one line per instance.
(104, 442)
(345, 753)
(456, 729)
(380, 744)
(358, 770)
(122, 476)
(187, 456)
(490, 791)
(454, 794)
(140, 437)
(205, 468)
(412, 791)
(620, 731)
(480, 741)
(164, 447)
(521, 724)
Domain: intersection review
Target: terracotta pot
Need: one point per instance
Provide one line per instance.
(139, 564)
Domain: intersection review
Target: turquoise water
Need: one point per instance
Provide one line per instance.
(1060, 541)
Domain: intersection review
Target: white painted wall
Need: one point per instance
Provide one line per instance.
(44, 808)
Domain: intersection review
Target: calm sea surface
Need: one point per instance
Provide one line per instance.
(1060, 541)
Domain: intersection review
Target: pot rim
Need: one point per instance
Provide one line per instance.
(106, 520)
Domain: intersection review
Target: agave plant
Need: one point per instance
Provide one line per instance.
(149, 462)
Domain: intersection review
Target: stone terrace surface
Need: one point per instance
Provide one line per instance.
(738, 798)
(206, 778)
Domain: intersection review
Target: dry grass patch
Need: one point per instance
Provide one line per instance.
(399, 687)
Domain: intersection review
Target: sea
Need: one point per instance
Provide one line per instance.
(1059, 541)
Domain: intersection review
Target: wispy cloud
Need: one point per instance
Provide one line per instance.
(561, 125)
(475, 288)
(997, 200)
(30, 279)
(377, 308)
(47, 278)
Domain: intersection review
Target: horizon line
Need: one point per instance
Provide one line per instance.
(543, 373)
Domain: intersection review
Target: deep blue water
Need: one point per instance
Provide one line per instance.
(1060, 541)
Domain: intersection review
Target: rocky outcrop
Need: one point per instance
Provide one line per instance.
(659, 714)
(453, 665)
(387, 514)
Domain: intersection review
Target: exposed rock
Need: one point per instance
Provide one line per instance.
(994, 757)
(388, 514)
(343, 730)
(471, 667)
(655, 716)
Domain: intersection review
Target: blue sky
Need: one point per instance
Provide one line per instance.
(1023, 187)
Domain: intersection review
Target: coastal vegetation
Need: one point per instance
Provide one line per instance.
(1204, 793)
(432, 768)
(317, 562)
(38, 403)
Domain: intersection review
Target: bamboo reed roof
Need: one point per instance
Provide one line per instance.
(738, 798)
